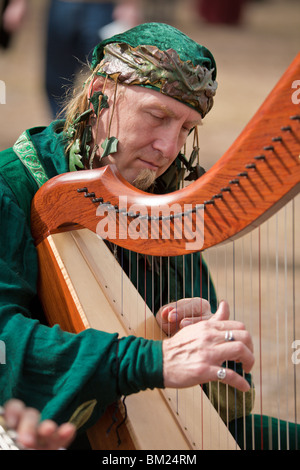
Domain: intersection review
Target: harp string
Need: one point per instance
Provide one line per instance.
(243, 320)
(286, 320)
(268, 297)
(262, 293)
(255, 274)
(260, 334)
(277, 320)
(294, 315)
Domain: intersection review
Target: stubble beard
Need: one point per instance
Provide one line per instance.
(145, 179)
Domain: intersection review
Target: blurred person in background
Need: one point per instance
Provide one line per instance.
(228, 12)
(74, 29)
(13, 13)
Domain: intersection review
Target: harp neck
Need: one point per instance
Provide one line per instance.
(259, 172)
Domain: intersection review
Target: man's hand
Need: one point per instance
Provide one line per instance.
(184, 312)
(34, 434)
(195, 354)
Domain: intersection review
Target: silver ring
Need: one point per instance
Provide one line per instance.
(229, 336)
(221, 374)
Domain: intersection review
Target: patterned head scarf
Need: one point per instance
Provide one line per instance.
(159, 56)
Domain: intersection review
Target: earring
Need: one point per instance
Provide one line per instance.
(75, 157)
(194, 171)
(110, 144)
(79, 150)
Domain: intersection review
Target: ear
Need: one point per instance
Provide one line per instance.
(96, 84)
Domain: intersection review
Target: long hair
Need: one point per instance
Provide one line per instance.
(77, 102)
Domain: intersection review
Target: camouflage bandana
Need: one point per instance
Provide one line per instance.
(159, 56)
(162, 70)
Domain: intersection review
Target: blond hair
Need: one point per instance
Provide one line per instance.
(75, 106)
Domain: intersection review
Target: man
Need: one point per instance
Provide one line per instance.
(144, 145)
(54, 371)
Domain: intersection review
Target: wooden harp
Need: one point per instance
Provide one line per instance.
(258, 175)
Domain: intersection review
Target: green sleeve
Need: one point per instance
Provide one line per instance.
(47, 368)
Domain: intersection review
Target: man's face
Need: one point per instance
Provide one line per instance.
(151, 129)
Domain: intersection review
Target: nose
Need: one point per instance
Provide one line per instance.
(168, 143)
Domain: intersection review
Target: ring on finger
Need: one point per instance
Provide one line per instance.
(221, 374)
(229, 336)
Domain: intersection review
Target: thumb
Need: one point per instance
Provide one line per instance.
(223, 312)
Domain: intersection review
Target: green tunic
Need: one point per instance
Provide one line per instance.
(56, 371)
(47, 368)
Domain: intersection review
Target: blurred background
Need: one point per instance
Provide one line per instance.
(253, 42)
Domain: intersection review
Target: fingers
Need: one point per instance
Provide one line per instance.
(227, 341)
(186, 312)
(22, 419)
(223, 312)
(66, 434)
(233, 332)
(195, 354)
(240, 349)
(50, 436)
(227, 344)
(189, 310)
(13, 412)
(230, 378)
(236, 351)
(27, 427)
(33, 434)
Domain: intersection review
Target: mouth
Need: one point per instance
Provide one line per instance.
(150, 165)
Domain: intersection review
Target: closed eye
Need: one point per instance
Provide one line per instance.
(157, 116)
(187, 129)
